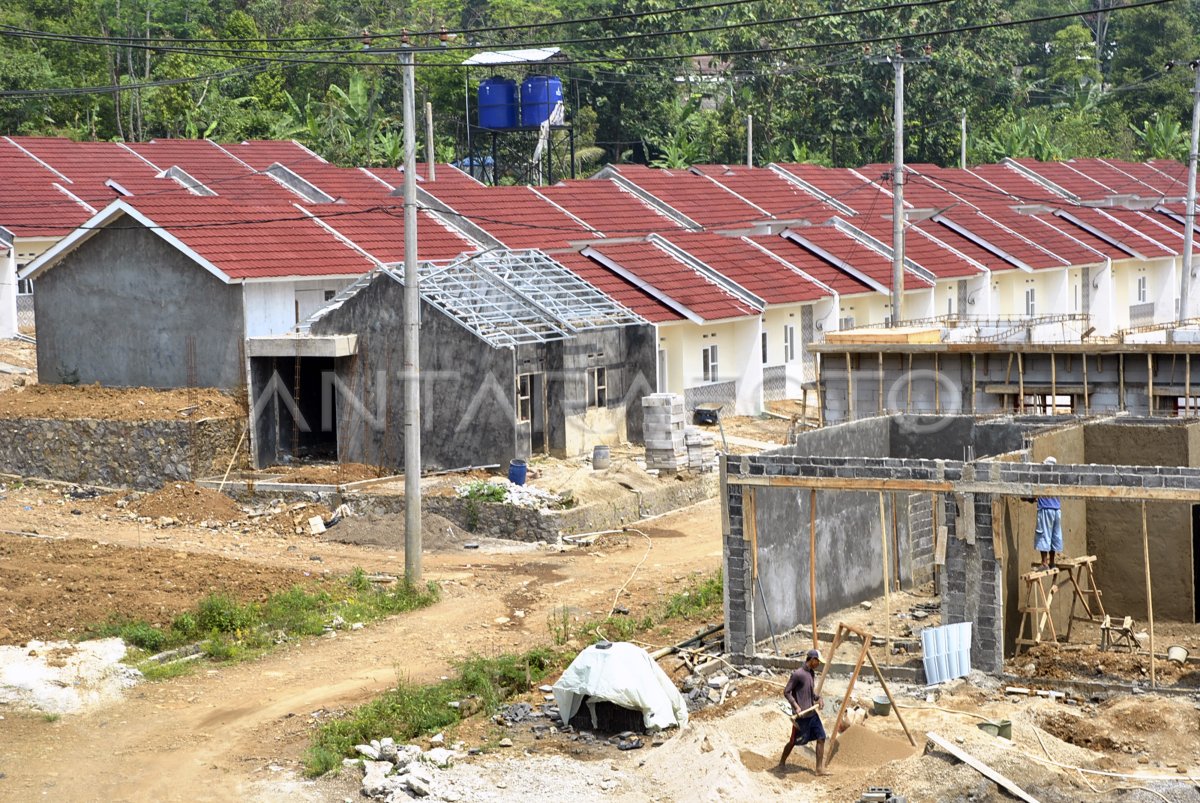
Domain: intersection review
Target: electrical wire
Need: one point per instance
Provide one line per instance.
(794, 48)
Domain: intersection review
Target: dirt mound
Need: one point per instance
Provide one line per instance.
(294, 519)
(185, 501)
(117, 404)
(437, 532)
(51, 589)
(1066, 663)
(860, 746)
(1080, 731)
(335, 474)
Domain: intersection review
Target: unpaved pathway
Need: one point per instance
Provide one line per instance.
(213, 736)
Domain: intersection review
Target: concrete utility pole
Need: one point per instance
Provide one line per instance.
(430, 156)
(898, 60)
(412, 333)
(962, 138)
(749, 140)
(1185, 279)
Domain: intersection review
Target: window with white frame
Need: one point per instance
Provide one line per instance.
(1141, 290)
(597, 381)
(24, 287)
(708, 356)
(524, 397)
(1030, 301)
(789, 343)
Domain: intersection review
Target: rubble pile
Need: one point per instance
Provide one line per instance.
(393, 772)
(503, 491)
(663, 419)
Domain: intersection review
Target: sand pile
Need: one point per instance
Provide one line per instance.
(702, 763)
(185, 501)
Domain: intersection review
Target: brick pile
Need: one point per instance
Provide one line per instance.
(663, 419)
(701, 451)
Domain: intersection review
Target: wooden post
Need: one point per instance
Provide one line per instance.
(1053, 384)
(812, 560)
(1187, 384)
(895, 546)
(1020, 383)
(973, 383)
(837, 642)
(817, 359)
(1121, 379)
(849, 387)
(1150, 382)
(1086, 401)
(881, 382)
(1149, 596)
(750, 532)
(862, 657)
(908, 401)
(887, 594)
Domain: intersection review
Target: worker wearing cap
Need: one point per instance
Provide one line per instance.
(806, 722)
(1047, 537)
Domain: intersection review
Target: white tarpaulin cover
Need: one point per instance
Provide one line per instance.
(492, 58)
(623, 674)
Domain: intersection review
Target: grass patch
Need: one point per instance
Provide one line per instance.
(701, 600)
(228, 630)
(410, 709)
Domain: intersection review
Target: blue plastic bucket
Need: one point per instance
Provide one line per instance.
(517, 471)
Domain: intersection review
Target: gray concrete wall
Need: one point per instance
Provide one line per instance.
(1114, 529)
(124, 309)
(467, 387)
(866, 438)
(972, 584)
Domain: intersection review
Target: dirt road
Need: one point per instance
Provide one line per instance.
(219, 734)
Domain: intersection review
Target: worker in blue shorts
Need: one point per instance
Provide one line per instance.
(806, 721)
(1047, 537)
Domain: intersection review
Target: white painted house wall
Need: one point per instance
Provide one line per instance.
(8, 290)
(271, 307)
(739, 357)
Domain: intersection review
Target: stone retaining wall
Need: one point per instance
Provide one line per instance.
(133, 454)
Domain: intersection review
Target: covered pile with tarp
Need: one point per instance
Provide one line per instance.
(623, 675)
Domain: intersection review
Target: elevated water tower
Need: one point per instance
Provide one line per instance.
(519, 130)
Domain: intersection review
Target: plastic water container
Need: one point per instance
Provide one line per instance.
(497, 103)
(517, 470)
(601, 458)
(539, 95)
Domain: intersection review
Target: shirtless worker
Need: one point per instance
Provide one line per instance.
(806, 722)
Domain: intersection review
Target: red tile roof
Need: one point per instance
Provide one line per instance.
(925, 250)
(30, 203)
(1126, 228)
(380, 231)
(767, 189)
(608, 208)
(738, 260)
(840, 245)
(618, 288)
(673, 278)
(816, 267)
(252, 241)
(214, 167)
(696, 196)
(856, 190)
(516, 216)
(1063, 175)
(88, 165)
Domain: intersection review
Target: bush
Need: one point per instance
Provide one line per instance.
(222, 613)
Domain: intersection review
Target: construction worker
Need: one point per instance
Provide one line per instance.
(1047, 536)
(806, 721)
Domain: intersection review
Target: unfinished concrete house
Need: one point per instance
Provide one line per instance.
(518, 357)
(892, 502)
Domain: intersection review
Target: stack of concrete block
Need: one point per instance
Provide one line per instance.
(701, 451)
(663, 420)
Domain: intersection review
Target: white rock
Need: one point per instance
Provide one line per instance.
(337, 622)
(439, 757)
(387, 751)
(375, 780)
(717, 681)
(506, 742)
(368, 750)
(356, 626)
(406, 754)
(437, 738)
(417, 786)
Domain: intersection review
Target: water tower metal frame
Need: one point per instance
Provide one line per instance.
(519, 138)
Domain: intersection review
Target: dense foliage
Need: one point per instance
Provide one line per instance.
(1083, 86)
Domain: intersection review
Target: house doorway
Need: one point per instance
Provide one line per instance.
(531, 409)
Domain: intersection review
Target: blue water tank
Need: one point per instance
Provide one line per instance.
(497, 103)
(539, 95)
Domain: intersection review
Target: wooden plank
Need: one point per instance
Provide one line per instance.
(1021, 382)
(887, 593)
(849, 387)
(880, 382)
(1187, 384)
(977, 487)
(1053, 384)
(1149, 596)
(1121, 380)
(908, 400)
(939, 546)
(1150, 382)
(973, 391)
(812, 560)
(981, 768)
(1086, 401)
(750, 530)
(895, 546)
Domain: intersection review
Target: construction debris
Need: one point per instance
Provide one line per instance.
(701, 453)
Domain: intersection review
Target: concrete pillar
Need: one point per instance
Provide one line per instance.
(747, 348)
(980, 301)
(1103, 299)
(8, 288)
